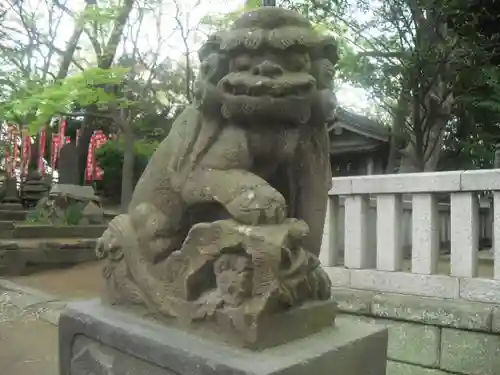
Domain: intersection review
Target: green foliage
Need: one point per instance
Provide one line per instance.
(253, 4)
(43, 214)
(398, 51)
(38, 216)
(86, 88)
(220, 21)
(110, 159)
(74, 213)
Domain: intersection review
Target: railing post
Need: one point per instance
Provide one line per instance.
(389, 232)
(356, 252)
(425, 234)
(496, 235)
(464, 234)
(329, 254)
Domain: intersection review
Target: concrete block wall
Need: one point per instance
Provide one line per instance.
(429, 336)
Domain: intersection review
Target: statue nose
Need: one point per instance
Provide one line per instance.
(268, 69)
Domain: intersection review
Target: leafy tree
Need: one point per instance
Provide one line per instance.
(418, 69)
(105, 76)
(110, 157)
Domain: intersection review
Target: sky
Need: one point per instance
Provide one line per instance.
(348, 96)
(172, 46)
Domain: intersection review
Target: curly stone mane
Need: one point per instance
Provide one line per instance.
(266, 29)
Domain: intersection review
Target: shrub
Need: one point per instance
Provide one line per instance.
(110, 159)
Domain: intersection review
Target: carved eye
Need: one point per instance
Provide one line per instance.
(241, 63)
(298, 62)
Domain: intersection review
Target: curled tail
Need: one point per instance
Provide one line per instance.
(125, 249)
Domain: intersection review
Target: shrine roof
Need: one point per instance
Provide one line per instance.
(360, 124)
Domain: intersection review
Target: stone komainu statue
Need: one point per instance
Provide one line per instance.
(229, 213)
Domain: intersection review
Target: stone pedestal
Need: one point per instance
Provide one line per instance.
(100, 340)
(68, 166)
(11, 193)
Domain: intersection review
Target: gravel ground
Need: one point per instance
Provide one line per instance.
(79, 282)
(28, 345)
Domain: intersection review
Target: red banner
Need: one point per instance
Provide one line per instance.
(62, 131)
(41, 151)
(92, 170)
(15, 146)
(8, 166)
(26, 152)
(54, 147)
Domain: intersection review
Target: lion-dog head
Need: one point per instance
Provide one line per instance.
(270, 64)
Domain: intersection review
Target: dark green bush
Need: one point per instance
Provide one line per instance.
(110, 159)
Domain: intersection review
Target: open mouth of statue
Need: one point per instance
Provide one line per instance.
(269, 88)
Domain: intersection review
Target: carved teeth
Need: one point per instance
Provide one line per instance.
(261, 89)
(240, 90)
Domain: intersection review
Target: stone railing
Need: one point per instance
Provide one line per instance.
(444, 222)
(380, 263)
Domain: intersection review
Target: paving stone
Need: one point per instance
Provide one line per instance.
(432, 311)
(398, 368)
(28, 344)
(22, 289)
(495, 323)
(404, 283)
(408, 342)
(352, 301)
(52, 311)
(470, 353)
(25, 301)
(414, 343)
(480, 290)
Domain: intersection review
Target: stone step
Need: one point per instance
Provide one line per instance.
(6, 225)
(35, 231)
(19, 257)
(48, 243)
(13, 215)
(11, 207)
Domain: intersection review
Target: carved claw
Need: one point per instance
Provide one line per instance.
(108, 246)
(260, 205)
(100, 249)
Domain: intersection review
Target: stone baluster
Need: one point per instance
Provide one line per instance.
(329, 254)
(389, 232)
(464, 234)
(425, 234)
(356, 253)
(496, 234)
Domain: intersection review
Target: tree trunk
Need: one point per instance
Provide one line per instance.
(109, 51)
(83, 142)
(70, 51)
(398, 131)
(104, 61)
(431, 95)
(72, 44)
(128, 166)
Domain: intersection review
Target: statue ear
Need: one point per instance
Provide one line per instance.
(212, 45)
(214, 63)
(324, 72)
(213, 67)
(329, 102)
(327, 49)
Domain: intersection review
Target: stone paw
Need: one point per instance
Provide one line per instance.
(260, 205)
